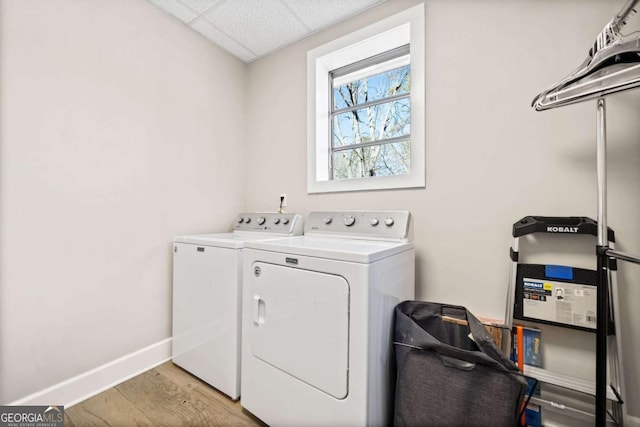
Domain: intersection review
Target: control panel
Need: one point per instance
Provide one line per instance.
(269, 222)
(374, 225)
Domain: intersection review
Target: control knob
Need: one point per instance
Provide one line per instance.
(276, 221)
(328, 220)
(240, 220)
(388, 221)
(349, 220)
(261, 220)
(374, 221)
(247, 220)
(285, 221)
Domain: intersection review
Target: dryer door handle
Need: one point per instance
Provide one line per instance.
(259, 310)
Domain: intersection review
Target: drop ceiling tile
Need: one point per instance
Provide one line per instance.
(250, 29)
(200, 6)
(320, 14)
(209, 31)
(260, 26)
(177, 9)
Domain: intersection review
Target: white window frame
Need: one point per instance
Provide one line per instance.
(390, 33)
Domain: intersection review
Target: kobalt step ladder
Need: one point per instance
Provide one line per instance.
(567, 297)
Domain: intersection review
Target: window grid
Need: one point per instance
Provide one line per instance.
(374, 61)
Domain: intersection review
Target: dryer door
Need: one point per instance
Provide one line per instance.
(300, 325)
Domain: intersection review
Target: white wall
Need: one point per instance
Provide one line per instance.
(119, 128)
(491, 159)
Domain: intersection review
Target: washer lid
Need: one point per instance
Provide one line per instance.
(225, 240)
(352, 250)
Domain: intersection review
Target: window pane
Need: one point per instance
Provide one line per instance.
(388, 120)
(371, 88)
(377, 160)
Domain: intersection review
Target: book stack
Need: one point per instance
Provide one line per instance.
(527, 349)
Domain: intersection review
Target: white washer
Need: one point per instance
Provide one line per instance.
(317, 319)
(207, 296)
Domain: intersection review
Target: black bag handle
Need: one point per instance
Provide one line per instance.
(409, 316)
(449, 361)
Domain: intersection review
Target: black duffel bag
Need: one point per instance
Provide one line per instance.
(450, 372)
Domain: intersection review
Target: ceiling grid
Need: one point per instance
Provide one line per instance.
(251, 29)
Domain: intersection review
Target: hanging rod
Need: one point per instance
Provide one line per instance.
(622, 256)
(613, 65)
(616, 78)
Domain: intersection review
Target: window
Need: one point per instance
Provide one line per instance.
(366, 108)
(371, 117)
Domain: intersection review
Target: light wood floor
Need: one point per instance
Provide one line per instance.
(164, 396)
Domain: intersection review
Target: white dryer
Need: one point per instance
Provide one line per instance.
(317, 319)
(207, 296)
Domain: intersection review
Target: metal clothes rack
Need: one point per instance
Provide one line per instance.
(613, 65)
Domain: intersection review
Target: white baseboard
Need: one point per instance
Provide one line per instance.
(90, 383)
